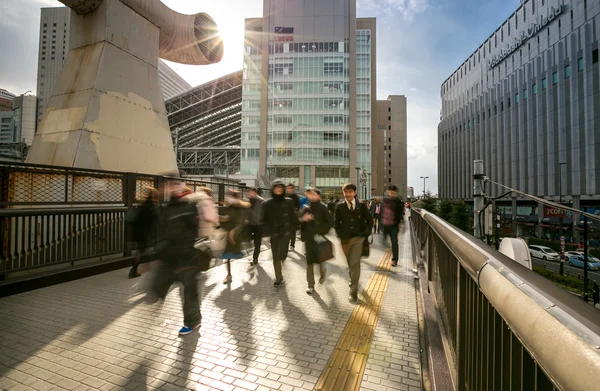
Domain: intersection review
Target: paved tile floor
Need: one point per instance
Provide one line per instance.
(99, 333)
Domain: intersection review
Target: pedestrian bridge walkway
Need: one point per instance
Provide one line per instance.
(100, 333)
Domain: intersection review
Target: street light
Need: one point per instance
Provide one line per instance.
(424, 177)
(357, 179)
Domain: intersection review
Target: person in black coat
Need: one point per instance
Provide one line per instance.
(353, 224)
(392, 214)
(315, 221)
(144, 229)
(279, 221)
(291, 193)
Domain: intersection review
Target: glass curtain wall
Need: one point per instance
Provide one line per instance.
(251, 110)
(363, 99)
(309, 98)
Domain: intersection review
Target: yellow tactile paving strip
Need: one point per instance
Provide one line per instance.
(346, 366)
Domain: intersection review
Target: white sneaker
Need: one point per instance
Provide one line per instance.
(310, 291)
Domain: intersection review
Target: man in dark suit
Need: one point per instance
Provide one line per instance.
(353, 224)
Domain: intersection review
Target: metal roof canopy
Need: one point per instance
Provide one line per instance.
(204, 122)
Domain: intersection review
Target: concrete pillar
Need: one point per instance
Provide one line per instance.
(540, 229)
(576, 218)
(107, 111)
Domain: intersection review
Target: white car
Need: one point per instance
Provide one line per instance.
(543, 252)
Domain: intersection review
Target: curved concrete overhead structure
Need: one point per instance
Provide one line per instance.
(107, 111)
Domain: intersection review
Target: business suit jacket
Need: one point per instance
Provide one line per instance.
(350, 224)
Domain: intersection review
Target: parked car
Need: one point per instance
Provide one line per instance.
(543, 252)
(578, 261)
(591, 258)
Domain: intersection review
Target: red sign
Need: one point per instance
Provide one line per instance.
(556, 212)
(285, 38)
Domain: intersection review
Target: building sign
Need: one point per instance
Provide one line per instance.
(527, 33)
(284, 34)
(284, 30)
(556, 212)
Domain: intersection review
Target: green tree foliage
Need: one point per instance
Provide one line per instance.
(428, 203)
(460, 215)
(445, 209)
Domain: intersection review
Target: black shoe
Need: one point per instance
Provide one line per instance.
(278, 283)
(353, 298)
(133, 273)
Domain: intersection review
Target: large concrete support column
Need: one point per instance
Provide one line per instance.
(107, 111)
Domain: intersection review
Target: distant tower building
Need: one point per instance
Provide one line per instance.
(6, 100)
(309, 92)
(55, 26)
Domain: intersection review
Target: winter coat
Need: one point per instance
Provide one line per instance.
(279, 216)
(179, 230)
(322, 223)
(144, 229)
(255, 210)
(237, 220)
(208, 213)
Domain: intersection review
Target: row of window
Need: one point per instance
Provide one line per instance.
(326, 153)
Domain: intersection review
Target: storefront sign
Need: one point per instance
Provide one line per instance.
(284, 30)
(556, 212)
(284, 38)
(527, 33)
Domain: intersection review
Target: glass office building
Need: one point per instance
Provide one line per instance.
(297, 122)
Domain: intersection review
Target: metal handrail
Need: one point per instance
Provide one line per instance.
(560, 332)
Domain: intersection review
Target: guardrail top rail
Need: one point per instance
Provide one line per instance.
(558, 330)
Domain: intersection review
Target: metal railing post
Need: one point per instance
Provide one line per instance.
(129, 185)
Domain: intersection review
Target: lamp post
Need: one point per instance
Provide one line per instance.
(357, 179)
(562, 251)
(369, 186)
(424, 178)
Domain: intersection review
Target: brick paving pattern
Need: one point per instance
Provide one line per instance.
(100, 333)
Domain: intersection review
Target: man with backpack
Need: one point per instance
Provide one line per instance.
(179, 260)
(353, 224)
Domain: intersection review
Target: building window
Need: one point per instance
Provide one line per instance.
(501, 107)
(52, 58)
(516, 100)
(595, 56)
(544, 84)
(567, 71)
(580, 64)
(555, 78)
(525, 94)
(389, 118)
(43, 58)
(45, 24)
(534, 88)
(54, 24)
(390, 155)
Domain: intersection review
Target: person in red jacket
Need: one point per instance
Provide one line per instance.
(392, 213)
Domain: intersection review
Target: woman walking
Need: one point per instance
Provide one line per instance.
(233, 220)
(144, 228)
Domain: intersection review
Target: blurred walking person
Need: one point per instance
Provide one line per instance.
(353, 224)
(291, 193)
(144, 228)
(254, 227)
(234, 221)
(179, 260)
(315, 221)
(391, 218)
(279, 222)
(376, 213)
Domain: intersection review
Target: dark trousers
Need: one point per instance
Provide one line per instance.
(279, 249)
(257, 235)
(166, 275)
(392, 231)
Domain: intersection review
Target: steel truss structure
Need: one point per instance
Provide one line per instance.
(206, 126)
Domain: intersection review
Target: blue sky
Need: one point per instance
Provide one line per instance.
(419, 44)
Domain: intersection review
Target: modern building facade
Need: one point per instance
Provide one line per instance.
(389, 146)
(526, 102)
(308, 93)
(6, 100)
(25, 118)
(172, 84)
(55, 24)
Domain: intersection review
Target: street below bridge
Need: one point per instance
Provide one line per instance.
(570, 271)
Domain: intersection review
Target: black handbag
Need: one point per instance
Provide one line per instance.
(366, 250)
(325, 248)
